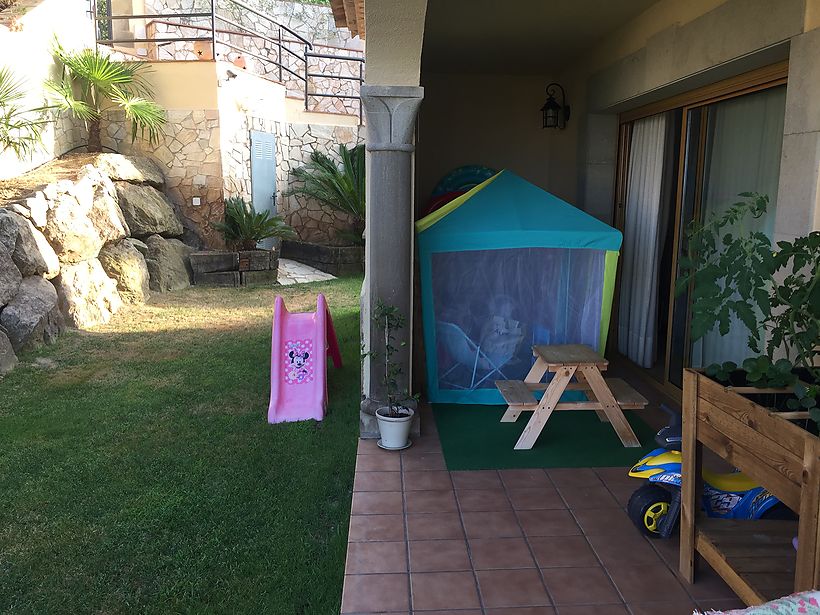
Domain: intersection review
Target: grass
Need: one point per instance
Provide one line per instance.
(139, 474)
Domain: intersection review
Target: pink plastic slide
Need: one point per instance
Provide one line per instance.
(298, 363)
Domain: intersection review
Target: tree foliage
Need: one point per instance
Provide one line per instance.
(91, 83)
(340, 186)
(20, 128)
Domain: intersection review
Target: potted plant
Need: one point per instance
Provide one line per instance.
(733, 270)
(755, 416)
(394, 419)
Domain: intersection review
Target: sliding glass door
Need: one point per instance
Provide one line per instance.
(684, 164)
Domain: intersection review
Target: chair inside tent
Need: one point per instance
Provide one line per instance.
(504, 267)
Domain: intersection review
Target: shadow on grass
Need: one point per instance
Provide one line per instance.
(141, 474)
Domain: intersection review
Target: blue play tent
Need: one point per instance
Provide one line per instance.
(503, 267)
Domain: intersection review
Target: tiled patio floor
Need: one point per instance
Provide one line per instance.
(511, 542)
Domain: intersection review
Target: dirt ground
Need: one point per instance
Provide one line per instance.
(27, 184)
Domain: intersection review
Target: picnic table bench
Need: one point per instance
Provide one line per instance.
(607, 397)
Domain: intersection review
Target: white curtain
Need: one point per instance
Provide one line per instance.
(637, 314)
(744, 140)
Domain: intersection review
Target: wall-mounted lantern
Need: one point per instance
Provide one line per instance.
(555, 114)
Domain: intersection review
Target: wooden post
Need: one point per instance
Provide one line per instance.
(691, 486)
(542, 413)
(808, 539)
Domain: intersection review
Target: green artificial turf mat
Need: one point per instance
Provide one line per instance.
(473, 438)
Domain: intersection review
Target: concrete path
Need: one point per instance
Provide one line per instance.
(291, 272)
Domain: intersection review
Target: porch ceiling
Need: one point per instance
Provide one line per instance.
(521, 37)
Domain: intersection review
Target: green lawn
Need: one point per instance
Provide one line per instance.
(139, 474)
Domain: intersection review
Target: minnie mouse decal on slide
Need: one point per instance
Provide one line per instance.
(298, 361)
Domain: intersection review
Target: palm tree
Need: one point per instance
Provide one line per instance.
(19, 128)
(342, 189)
(244, 227)
(92, 83)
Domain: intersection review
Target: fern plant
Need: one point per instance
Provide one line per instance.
(244, 227)
(20, 129)
(341, 188)
(91, 84)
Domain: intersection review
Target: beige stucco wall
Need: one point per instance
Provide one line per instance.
(185, 85)
(490, 120)
(28, 53)
(394, 35)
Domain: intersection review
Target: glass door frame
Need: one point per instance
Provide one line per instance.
(770, 76)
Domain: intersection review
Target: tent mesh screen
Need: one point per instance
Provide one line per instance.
(492, 306)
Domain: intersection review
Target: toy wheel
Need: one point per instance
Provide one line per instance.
(647, 506)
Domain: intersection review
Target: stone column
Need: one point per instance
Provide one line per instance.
(798, 194)
(391, 117)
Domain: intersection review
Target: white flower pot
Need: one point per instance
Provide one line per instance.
(395, 431)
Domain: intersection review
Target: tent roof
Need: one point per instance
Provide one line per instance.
(507, 211)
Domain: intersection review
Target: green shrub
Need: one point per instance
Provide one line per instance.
(244, 227)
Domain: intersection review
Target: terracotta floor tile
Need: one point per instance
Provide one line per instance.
(548, 522)
(438, 555)
(368, 446)
(527, 610)
(512, 588)
(614, 476)
(497, 524)
(427, 480)
(444, 590)
(497, 553)
(427, 461)
(524, 479)
(708, 585)
(579, 586)
(622, 493)
(573, 477)
(722, 604)
(480, 479)
(470, 500)
(374, 593)
(599, 609)
(430, 501)
(681, 607)
(535, 499)
(373, 557)
(588, 496)
(377, 481)
(619, 549)
(646, 583)
(378, 463)
(562, 551)
(434, 526)
(365, 528)
(457, 612)
(596, 521)
(377, 503)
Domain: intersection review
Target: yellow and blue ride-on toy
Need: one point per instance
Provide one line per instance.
(655, 506)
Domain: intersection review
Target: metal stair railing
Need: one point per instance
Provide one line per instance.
(293, 62)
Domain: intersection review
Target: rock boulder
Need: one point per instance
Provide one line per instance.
(10, 277)
(8, 359)
(147, 211)
(32, 317)
(126, 265)
(168, 264)
(29, 249)
(134, 169)
(87, 296)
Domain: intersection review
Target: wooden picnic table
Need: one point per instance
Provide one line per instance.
(607, 397)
